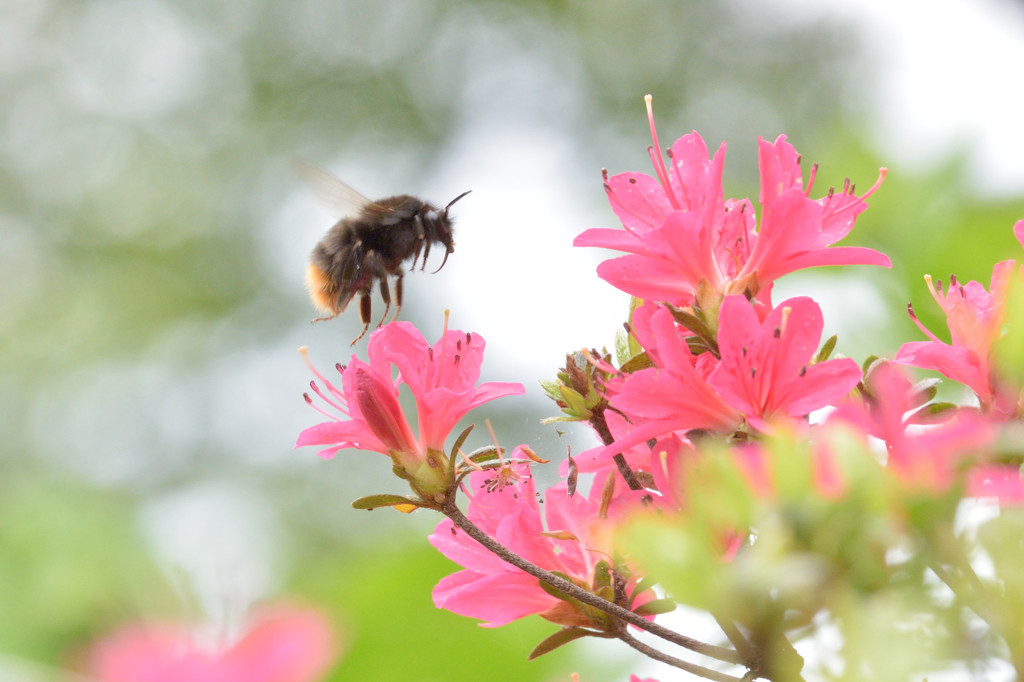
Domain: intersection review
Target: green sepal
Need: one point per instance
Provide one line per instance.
(563, 636)
(458, 444)
(827, 349)
(868, 363)
(655, 607)
(607, 592)
(926, 389)
(602, 575)
(385, 500)
(930, 413)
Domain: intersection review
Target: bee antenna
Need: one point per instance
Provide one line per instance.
(453, 201)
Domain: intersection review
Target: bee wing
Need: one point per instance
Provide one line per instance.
(341, 199)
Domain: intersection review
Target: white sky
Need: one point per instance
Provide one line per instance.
(952, 78)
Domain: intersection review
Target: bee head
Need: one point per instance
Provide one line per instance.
(440, 226)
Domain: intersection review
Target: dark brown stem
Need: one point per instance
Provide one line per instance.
(600, 424)
(451, 510)
(691, 668)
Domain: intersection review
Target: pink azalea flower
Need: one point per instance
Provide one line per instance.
(765, 370)
(365, 412)
(284, 644)
(672, 396)
(928, 458)
(680, 231)
(975, 319)
(576, 537)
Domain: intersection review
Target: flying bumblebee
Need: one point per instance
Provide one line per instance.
(369, 244)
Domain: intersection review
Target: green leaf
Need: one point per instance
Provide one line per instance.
(552, 389)
(563, 418)
(636, 363)
(633, 346)
(622, 350)
(401, 503)
(655, 607)
(577, 405)
(693, 323)
(563, 636)
(557, 593)
(484, 454)
(642, 586)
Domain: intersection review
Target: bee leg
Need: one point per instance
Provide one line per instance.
(385, 295)
(420, 235)
(398, 295)
(426, 252)
(364, 314)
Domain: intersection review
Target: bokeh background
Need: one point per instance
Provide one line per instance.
(153, 240)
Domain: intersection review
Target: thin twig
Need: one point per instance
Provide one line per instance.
(691, 668)
(451, 510)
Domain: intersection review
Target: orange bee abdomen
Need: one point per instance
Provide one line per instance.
(322, 289)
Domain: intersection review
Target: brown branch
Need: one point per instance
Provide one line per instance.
(691, 668)
(451, 510)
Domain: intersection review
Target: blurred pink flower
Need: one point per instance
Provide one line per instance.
(1003, 483)
(929, 458)
(576, 537)
(282, 644)
(975, 320)
(366, 410)
(766, 371)
(680, 231)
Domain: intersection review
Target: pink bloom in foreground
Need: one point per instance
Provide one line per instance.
(680, 231)
(365, 413)
(766, 371)
(285, 644)
(576, 537)
(975, 320)
(673, 396)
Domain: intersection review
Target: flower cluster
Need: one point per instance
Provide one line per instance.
(741, 467)
(576, 542)
(443, 380)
